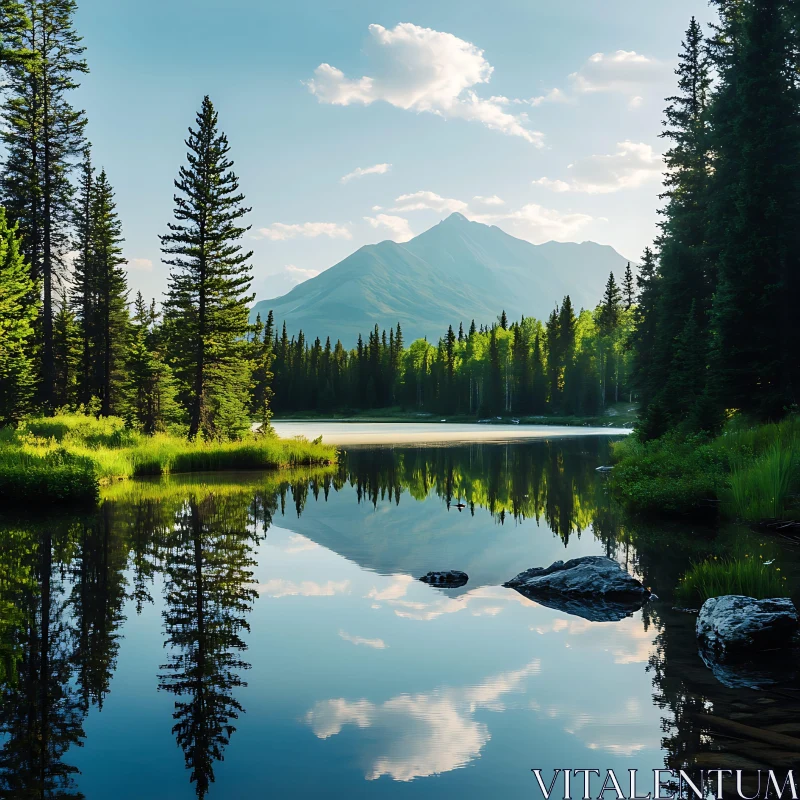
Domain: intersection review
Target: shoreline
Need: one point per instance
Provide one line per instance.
(386, 433)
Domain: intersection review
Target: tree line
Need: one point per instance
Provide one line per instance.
(574, 363)
(715, 329)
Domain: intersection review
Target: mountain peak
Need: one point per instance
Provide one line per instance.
(458, 270)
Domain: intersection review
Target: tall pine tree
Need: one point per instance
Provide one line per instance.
(207, 301)
(43, 134)
(111, 294)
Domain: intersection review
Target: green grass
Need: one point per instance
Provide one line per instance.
(760, 489)
(56, 476)
(748, 472)
(669, 476)
(745, 576)
(66, 457)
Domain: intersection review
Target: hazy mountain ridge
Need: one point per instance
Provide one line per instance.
(454, 272)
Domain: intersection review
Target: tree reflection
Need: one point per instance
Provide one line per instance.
(41, 714)
(209, 590)
(542, 481)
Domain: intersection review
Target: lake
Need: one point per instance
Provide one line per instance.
(238, 636)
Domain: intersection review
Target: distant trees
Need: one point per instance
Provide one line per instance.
(572, 365)
(206, 306)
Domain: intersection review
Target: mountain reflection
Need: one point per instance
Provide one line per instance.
(207, 556)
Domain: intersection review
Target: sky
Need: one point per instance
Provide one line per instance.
(355, 121)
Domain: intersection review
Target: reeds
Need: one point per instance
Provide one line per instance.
(759, 490)
(746, 576)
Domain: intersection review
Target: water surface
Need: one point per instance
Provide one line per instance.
(238, 635)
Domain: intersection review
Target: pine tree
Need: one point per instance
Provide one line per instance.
(756, 145)
(43, 134)
(686, 272)
(13, 23)
(567, 323)
(628, 291)
(83, 280)
(538, 377)
(644, 334)
(207, 301)
(503, 320)
(149, 390)
(18, 311)
(472, 328)
(608, 319)
(66, 349)
(111, 294)
(263, 358)
(554, 358)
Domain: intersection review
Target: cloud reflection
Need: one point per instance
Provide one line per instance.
(277, 587)
(416, 736)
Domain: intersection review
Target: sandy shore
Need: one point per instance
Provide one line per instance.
(388, 433)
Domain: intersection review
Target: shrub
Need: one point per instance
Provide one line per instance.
(746, 576)
(669, 475)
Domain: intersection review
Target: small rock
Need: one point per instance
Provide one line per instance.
(451, 578)
(604, 469)
(733, 625)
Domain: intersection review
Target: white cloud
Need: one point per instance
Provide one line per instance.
(539, 224)
(298, 543)
(298, 274)
(420, 69)
(553, 96)
(359, 172)
(631, 166)
(398, 226)
(279, 232)
(494, 200)
(415, 736)
(556, 186)
(277, 587)
(625, 72)
(142, 264)
(421, 201)
(375, 644)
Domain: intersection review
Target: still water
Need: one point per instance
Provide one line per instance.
(257, 634)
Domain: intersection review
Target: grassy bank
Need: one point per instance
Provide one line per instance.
(748, 472)
(69, 456)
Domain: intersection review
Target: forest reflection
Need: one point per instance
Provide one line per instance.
(67, 582)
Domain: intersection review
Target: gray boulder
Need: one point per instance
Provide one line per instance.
(451, 578)
(734, 625)
(596, 588)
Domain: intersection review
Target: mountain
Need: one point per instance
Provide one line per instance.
(455, 272)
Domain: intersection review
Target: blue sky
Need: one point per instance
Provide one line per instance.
(539, 117)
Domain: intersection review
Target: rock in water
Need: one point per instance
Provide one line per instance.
(596, 588)
(452, 578)
(734, 625)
